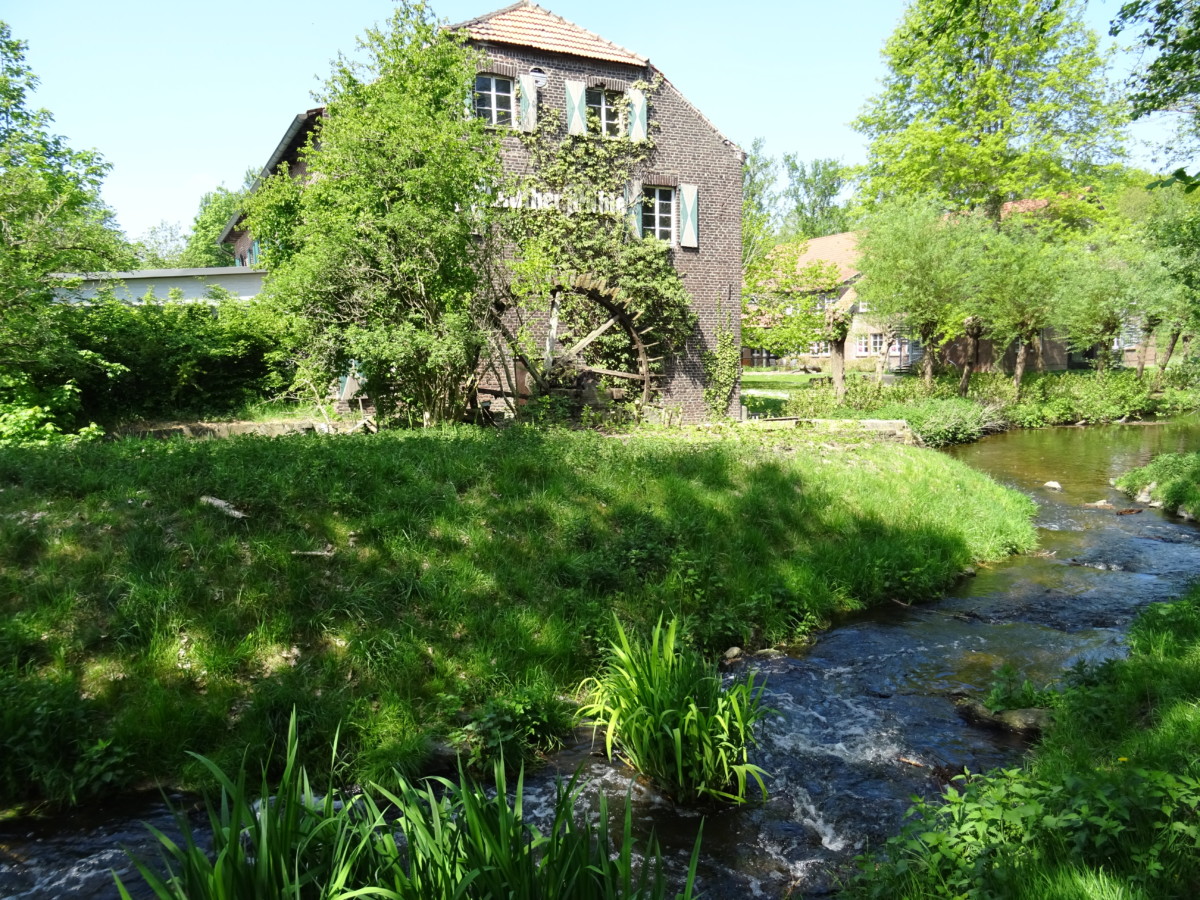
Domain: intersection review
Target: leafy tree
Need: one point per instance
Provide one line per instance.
(377, 250)
(1105, 281)
(1173, 227)
(989, 101)
(782, 313)
(1170, 80)
(216, 208)
(1013, 291)
(161, 247)
(759, 201)
(917, 265)
(811, 197)
(51, 221)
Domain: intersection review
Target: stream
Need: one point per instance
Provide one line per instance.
(866, 715)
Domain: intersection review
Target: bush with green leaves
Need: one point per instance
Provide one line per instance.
(516, 727)
(1175, 478)
(169, 360)
(663, 708)
(1010, 691)
(441, 838)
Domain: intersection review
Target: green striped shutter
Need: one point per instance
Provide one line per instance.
(527, 96)
(638, 115)
(689, 216)
(576, 107)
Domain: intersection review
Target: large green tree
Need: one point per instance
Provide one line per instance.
(215, 210)
(378, 249)
(919, 266)
(51, 217)
(812, 200)
(989, 101)
(1169, 81)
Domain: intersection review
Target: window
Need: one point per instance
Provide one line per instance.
(494, 99)
(658, 213)
(604, 112)
(877, 342)
(820, 348)
(862, 346)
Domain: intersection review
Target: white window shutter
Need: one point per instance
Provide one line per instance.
(527, 97)
(638, 115)
(689, 215)
(633, 206)
(576, 107)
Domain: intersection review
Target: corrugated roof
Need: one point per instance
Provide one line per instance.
(528, 25)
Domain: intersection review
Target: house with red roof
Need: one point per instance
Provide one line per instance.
(539, 70)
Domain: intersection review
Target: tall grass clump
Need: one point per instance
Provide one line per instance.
(663, 708)
(441, 838)
(1173, 479)
(1109, 807)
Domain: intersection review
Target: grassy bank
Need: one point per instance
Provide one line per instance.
(422, 585)
(939, 417)
(1110, 806)
(1172, 479)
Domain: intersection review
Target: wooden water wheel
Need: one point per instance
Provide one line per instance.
(570, 360)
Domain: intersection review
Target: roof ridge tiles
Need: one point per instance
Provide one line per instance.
(522, 30)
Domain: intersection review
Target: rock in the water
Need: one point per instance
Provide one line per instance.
(1144, 496)
(1099, 504)
(1053, 485)
(1029, 722)
(733, 652)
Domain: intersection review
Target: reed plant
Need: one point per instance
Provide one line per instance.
(441, 838)
(663, 708)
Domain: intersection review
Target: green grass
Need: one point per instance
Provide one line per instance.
(939, 417)
(438, 839)
(663, 707)
(410, 585)
(1109, 807)
(1175, 478)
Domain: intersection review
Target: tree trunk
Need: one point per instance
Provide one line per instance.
(1166, 358)
(837, 368)
(927, 361)
(1019, 368)
(970, 361)
(882, 358)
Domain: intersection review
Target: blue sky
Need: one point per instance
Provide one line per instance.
(182, 96)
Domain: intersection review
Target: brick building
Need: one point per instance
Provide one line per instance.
(539, 70)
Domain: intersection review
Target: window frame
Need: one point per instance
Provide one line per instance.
(661, 194)
(608, 113)
(491, 112)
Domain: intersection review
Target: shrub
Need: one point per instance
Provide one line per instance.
(662, 706)
(172, 359)
(443, 839)
(941, 422)
(1176, 481)
(515, 727)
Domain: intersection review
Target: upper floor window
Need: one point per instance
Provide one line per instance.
(604, 112)
(494, 99)
(658, 213)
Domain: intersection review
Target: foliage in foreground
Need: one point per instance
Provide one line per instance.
(1174, 479)
(438, 839)
(1110, 807)
(663, 707)
(413, 583)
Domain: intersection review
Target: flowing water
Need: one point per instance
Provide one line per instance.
(866, 715)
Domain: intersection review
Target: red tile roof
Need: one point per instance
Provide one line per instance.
(528, 25)
(839, 249)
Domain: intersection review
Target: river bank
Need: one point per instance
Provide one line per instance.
(868, 716)
(423, 587)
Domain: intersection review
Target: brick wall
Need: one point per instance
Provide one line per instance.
(688, 150)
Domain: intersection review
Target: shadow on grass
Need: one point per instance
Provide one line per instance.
(395, 583)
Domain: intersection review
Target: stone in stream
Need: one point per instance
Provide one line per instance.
(1028, 722)
(1052, 485)
(1144, 495)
